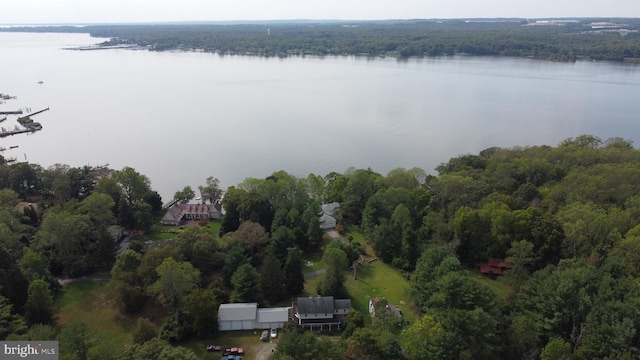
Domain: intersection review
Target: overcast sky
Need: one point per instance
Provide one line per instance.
(116, 11)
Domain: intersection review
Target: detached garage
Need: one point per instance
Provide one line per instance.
(269, 318)
(241, 316)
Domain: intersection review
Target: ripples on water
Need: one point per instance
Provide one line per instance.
(181, 117)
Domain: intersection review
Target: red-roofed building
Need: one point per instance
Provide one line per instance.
(185, 212)
(495, 266)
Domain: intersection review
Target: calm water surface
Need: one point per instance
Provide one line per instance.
(181, 117)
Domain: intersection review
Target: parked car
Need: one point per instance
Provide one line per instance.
(265, 335)
(274, 333)
(214, 347)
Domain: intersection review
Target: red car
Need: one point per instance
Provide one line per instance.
(214, 347)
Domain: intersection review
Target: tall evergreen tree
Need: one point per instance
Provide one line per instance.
(246, 285)
(294, 278)
(273, 279)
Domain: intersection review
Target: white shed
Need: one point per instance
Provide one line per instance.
(241, 316)
(272, 317)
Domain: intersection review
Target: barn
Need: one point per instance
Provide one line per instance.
(241, 316)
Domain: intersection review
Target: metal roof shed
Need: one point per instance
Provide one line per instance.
(241, 316)
(272, 317)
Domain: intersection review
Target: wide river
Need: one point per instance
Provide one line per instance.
(181, 117)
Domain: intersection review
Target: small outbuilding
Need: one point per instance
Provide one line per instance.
(495, 266)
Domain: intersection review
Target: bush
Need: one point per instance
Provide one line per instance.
(145, 330)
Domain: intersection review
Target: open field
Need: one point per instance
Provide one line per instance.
(85, 302)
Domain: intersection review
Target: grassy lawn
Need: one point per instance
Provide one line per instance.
(311, 284)
(377, 279)
(85, 302)
(159, 232)
(502, 290)
(312, 262)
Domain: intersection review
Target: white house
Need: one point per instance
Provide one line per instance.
(387, 307)
(320, 313)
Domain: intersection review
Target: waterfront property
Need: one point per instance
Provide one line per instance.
(179, 213)
(328, 220)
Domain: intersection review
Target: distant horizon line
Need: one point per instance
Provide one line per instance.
(303, 20)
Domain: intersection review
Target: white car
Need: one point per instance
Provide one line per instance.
(274, 333)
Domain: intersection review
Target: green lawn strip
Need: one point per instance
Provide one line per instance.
(85, 302)
(378, 279)
(312, 262)
(247, 340)
(502, 290)
(311, 284)
(160, 232)
(356, 235)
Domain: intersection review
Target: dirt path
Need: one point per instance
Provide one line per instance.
(264, 350)
(314, 273)
(63, 282)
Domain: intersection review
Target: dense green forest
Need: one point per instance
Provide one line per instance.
(566, 217)
(616, 40)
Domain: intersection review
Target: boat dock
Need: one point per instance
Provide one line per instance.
(17, 112)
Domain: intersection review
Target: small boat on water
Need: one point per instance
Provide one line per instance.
(40, 82)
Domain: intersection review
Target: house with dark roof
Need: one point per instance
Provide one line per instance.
(328, 220)
(495, 266)
(179, 213)
(320, 313)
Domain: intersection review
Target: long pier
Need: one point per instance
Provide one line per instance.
(21, 131)
(35, 113)
(17, 112)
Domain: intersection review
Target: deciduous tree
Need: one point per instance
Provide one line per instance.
(211, 192)
(175, 280)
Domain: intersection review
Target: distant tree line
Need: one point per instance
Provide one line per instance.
(503, 37)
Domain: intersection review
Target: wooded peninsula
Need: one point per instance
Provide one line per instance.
(511, 253)
(555, 39)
